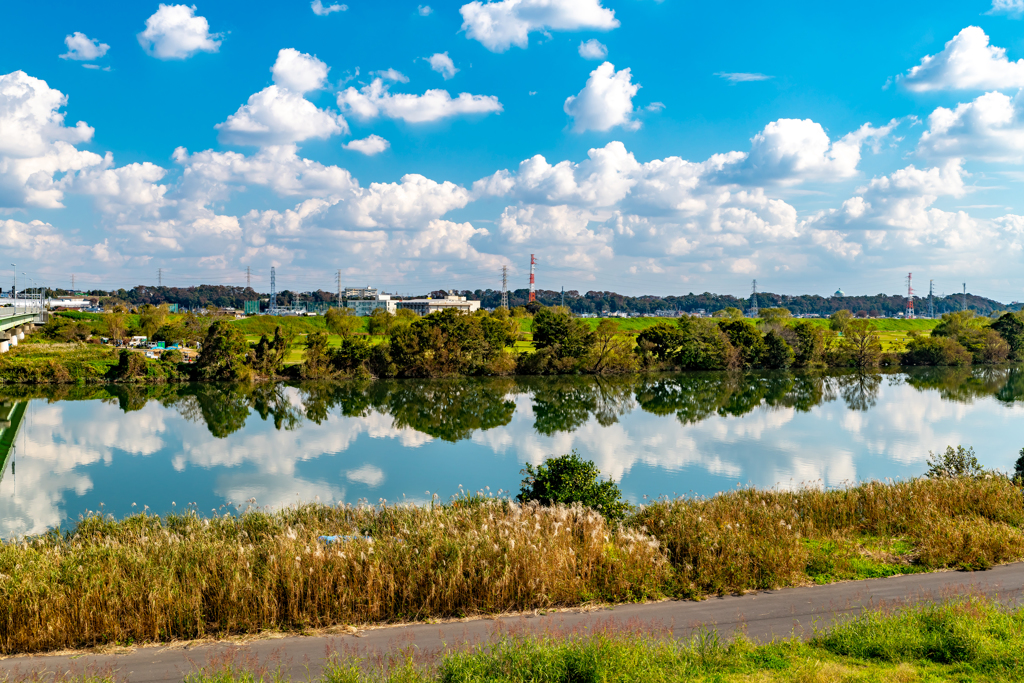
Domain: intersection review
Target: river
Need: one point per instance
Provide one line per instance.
(117, 449)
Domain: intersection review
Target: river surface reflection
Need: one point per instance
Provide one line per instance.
(210, 444)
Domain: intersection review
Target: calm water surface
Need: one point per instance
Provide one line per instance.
(165, 447)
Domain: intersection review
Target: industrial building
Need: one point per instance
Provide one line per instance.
(367, 306)
(428, 305)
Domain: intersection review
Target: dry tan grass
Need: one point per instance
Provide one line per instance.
(147, 579)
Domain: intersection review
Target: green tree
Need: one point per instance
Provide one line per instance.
(1018, 467)
(1010, 327)
(224, 353)
(839, 320)
(778, 354)
(954, 463)
(570, 479)
(941, 351)
(810, 343)
(342, 321)
(703, 346)
(317, 364)
(116, 324)
(151, 318)
(861, 344)
(730, 313)
(568, 337)
(380, 322)
(774, 316)
(267, 357)
(747, 339)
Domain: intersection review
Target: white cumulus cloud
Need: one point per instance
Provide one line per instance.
(175, 32)
(968, 62)
(790, 151)
(990, 128)
(605, 101)
(393, 75)
(499, 25)
(321, 10)
(424, 10)
(277, 116)
(82, 48)
(375, 100)
(593, 49)
(443, 64)
(298, 72)
(369, 146)
(35, 145)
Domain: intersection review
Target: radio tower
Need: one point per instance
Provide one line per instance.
(753, 301)
(931, 298)
(273, 291)
(910, 296)
(504, 287)
(533, 289)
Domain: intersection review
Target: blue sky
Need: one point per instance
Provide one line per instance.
(637, 146)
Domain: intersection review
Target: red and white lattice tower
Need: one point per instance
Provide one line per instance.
(910, 296)
(533, 290)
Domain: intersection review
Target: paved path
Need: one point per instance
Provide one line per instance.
(763, 616)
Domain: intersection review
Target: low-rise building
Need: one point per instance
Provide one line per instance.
(363, 307)
(428, 305)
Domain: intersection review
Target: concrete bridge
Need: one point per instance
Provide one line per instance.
(13, 325)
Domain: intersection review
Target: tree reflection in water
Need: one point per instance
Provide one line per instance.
(454, 409)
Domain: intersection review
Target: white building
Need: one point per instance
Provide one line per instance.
(428, 305)
(364, 307)
(366, 292)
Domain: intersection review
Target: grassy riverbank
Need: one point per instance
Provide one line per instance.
(147, 578)
(969, 639)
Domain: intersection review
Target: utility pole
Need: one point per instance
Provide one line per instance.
(754, 312)
(504, 287)
(931, 299)
(533, 290)
(910, 296)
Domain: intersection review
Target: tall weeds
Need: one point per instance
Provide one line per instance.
(148, 578)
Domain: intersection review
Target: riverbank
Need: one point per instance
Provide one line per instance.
(158, 579)
(551, 343)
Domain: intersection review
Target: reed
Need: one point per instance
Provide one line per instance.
(147, 578)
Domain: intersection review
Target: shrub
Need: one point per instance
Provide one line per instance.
(777, 353)
(935, 351)
(1018, 467)
(959, 462)
(571, 479)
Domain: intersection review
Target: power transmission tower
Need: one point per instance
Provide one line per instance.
(72, 283)
(754, 312)
(563, 296)
(273, 291)
(248, 277)
(337, 278)
(931, 298)
(910, 296)
(160, 277)
(533, 290)
(504, 287)
(965, 297)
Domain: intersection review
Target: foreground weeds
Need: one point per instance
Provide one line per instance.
(147, 578)
(970, 640)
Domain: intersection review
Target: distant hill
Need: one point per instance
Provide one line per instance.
(590, 302)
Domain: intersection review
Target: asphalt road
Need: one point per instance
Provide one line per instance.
(762, 616)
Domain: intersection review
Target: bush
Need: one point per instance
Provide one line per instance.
(960, 462)
(935, 351)
(570, 479)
